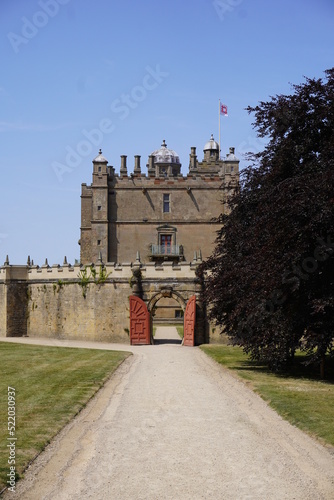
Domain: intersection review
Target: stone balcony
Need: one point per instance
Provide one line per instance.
(166, 252)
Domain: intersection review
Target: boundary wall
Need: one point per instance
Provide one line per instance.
(90, 302)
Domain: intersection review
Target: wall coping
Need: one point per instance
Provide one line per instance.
(67, 272)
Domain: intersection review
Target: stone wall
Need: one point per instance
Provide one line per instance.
(73, 302)
(13, 301)
(66, 311)
(16, 309)
(136, 213)
(85, 227)
(3, 310)
(121, 214)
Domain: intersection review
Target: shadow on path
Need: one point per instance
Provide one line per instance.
(167, 341)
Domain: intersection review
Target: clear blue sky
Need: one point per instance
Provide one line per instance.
(69, 65)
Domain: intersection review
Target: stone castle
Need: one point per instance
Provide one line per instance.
(141, 234)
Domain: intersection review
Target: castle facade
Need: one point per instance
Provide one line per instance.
(143, 236)
(161, 214)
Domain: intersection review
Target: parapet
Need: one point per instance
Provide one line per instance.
(113, 271)
(13, 273)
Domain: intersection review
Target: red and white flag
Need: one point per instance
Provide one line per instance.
(223, 109)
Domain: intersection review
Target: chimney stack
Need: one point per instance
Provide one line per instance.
(137, 169)
(123, 171)
(193, 159)
(151, 169)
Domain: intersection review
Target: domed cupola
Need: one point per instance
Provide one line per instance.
(211, 150)
(100, 164)
(100, 158)
(166, 161)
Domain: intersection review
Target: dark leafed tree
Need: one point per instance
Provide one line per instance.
(269, 282)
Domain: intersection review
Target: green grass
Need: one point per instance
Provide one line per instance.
(299, 397)
(180, 330)
(52, 384)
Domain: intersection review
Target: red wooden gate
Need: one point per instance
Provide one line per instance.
(189, 322)
(140, 331)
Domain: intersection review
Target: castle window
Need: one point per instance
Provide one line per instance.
(232, 169)
(166, 244)
(100, 169)
(166, 241)
(99, 242)
(166, 203)
(99, 207)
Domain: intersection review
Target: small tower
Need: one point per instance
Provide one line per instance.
(99, 210)
(211, 150)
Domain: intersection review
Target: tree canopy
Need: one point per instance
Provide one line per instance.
(269, 282)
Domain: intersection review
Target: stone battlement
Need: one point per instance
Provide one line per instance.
(113, 271)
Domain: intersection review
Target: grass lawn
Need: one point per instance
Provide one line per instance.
(52, 384)
(180, 330)
(299, 397)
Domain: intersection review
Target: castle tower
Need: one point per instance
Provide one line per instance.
(94, 214)
(164, 215)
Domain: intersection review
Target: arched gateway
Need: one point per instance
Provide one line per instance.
(140, 318)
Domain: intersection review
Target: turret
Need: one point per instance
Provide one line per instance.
(166, 162)
(211, 150)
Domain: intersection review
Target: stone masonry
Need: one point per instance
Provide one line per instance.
(159, 226)
(125, 213)
(70, 302)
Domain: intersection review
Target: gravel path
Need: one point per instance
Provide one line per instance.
(172, 424)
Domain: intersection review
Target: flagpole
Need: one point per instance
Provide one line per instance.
(219, 128)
